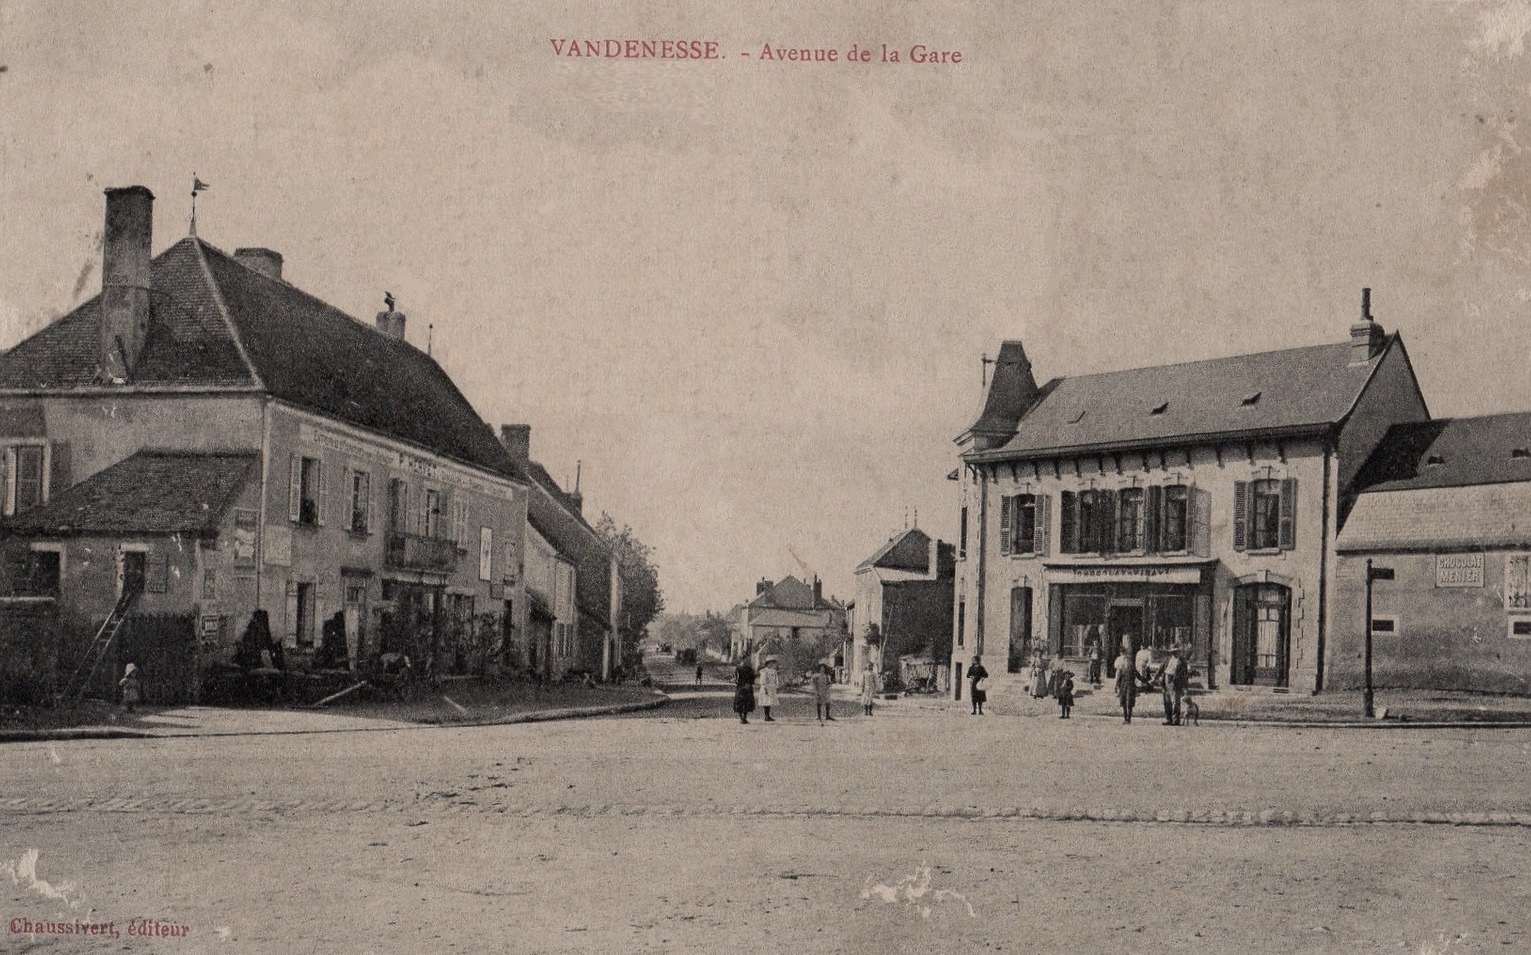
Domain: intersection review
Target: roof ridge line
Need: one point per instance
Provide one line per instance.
(223, 311)
(1200, 361)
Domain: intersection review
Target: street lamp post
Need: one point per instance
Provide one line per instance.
(1372, 574)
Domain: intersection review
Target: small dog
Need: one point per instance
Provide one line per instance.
(1192, 714)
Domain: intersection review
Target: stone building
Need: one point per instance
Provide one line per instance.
(367, 486)
(1444, 508)
(905, 591)
(1194, 504)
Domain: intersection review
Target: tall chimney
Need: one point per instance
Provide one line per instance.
(762, 586)
(517, 439)
(391, 322)
(1366, 336)
(264, 261)
(125, 279)
(818, 590)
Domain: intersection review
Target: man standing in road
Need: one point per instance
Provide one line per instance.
(1175, 677)
(1126, 683)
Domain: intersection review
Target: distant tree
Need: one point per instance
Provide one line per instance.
(712, 632)
(642, 600)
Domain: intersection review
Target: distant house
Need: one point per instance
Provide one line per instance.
(785, 610)
(905, 591)
(1444, 510)
(1193, 504)
(236, 444)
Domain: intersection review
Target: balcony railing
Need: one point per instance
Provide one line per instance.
(413, 552)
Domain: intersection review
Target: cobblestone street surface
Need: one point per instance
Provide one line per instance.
(920, 828)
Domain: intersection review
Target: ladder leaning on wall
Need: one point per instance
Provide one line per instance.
(80, 679)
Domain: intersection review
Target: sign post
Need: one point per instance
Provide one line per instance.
(1372, 574)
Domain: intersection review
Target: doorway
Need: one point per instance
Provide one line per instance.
(1124, 629)
(1261, 634)
(1020, 629)
(135, 572)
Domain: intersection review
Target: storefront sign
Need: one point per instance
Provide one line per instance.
(1142, 575)
(1459, 570)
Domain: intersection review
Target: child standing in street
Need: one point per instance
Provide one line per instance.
(821, 680)
(1065, 690)
(132, 690)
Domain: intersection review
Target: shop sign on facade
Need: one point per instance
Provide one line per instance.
(1127, 574)
(1459, 570)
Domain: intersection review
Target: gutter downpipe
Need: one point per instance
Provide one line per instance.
(983, 550)
(1323, 579)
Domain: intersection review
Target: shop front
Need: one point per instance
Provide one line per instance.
(1132, 607)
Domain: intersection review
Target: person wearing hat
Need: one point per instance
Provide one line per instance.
(1063, 688)
(132, 690)
(1175, 677)
(770, 683)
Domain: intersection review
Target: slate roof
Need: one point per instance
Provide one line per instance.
(1293, 390)
(1450, 452)
(218, 324)
(1470, 517)
(150, 492)
(789, 593)
(907, 551)
(553, 514)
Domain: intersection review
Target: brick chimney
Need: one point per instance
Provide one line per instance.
(391, 321)
(264, 261)
(763, 586)
(1366, 336)
(517, 439)
(125, 279)
(818, 590)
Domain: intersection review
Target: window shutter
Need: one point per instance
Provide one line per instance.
(322, 505)
(347, 499)
(295, 488)
(1006, 519)
(1240, 514)
(1068, 523)
(1288, 513)
(1152, 502)
(1041, 526)
(371, 520)
(58, 468)
(1199, 505)
(1108, 522)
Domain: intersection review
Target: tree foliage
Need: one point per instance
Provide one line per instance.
(705, 632)
(642, 600)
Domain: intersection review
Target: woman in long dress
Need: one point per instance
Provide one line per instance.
(744, 690)
(770, 682)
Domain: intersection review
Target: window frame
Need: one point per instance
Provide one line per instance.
(359, 495)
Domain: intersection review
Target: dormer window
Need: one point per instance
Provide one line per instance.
(1250, 400)
(1520, 453)
(1159, 409)
(1434, 460)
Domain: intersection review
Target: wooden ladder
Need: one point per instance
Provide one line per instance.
(79, 680)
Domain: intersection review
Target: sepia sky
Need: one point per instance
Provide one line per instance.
(751, 297)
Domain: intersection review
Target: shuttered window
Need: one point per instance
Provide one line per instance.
(1265, 514)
